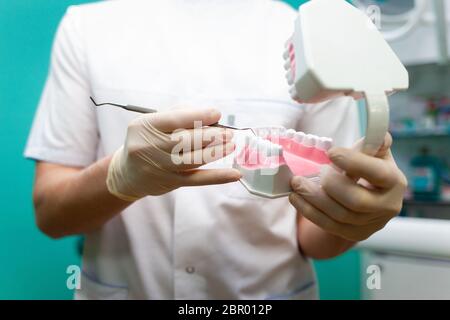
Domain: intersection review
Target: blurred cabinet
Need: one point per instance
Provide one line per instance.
(413, 256)
(407, 277)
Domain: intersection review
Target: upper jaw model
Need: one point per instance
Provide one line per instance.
(269, 160)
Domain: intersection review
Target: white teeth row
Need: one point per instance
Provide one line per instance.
(270, 131)
(263, 146)
(308, 140)
(290, 77)
(286, 54)
(289, 72)
(325, 144)
(287, 65)
(289, 133)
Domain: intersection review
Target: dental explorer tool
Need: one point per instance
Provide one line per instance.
(148, 110)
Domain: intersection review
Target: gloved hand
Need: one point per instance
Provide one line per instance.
(357, 196)
(158, 156)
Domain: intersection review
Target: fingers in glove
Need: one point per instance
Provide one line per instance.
(347, 231)
(197, 158)
(169, 121)
(380, 172)
(317, 197)
(350, 194)
(183, 141)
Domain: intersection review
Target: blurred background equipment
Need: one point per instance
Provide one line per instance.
(413, 252)
(404, 21)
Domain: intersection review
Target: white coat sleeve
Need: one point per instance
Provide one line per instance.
(65, 130)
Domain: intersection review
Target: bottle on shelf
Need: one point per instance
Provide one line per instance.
(426, 176)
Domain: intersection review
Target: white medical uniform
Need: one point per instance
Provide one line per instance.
(199, 242)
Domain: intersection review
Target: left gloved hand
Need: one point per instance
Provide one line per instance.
(357, 197)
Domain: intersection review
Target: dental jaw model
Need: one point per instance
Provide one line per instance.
(335, 50)
(269, 160)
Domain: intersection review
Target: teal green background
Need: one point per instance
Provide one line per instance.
(33, 266)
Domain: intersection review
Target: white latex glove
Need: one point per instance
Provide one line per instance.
(357, 197)
(149, 161)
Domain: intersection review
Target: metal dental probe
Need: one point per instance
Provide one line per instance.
(148, 110)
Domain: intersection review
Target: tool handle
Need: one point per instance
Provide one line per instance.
(148, 110)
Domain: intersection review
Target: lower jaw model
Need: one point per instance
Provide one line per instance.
(269, 160)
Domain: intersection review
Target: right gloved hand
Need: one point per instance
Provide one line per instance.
(152, 162)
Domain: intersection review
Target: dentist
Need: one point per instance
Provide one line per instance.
(159, 230)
